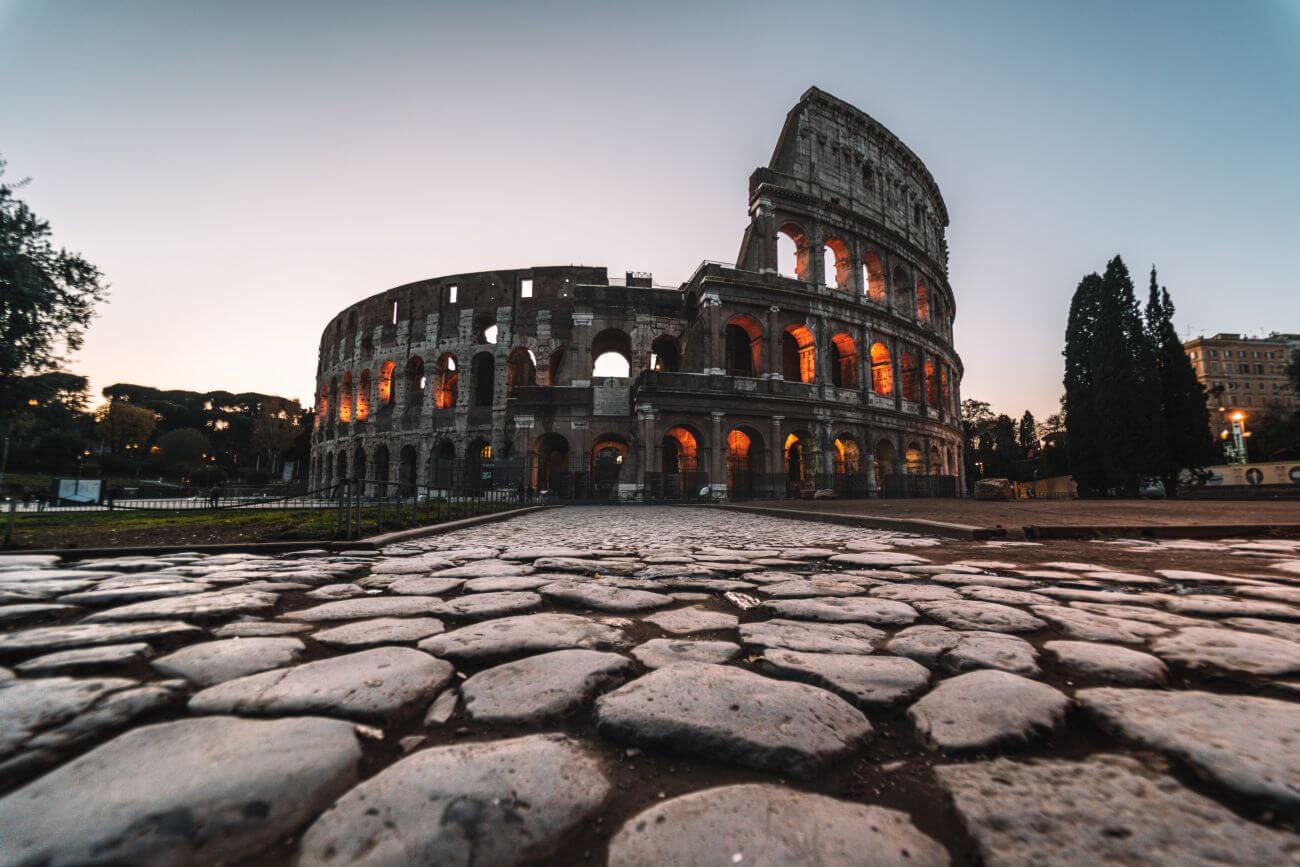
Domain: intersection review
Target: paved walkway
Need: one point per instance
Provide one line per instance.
(639, 686)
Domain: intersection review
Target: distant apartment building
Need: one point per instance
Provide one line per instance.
(1246, 373)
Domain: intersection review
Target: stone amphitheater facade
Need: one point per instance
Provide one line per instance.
(838, 373)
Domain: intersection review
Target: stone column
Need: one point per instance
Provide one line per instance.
(772, 370)
(923, 395)
(869, 462)
(776, 465)
(581, 363)
(717, 477)
(896, 366)
(713, 319)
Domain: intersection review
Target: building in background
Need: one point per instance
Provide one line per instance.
(1244, 374)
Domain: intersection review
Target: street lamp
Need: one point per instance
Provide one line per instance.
(1234, 438)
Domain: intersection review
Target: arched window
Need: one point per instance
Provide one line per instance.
(914, 459)
(792, 252)
(744, 347)
(555, 365)
(444, 465)
(944, 387)
(922, 300)
(836, 264)
(485, 331)
(886, 460)
(323, 405)
(882, 370)
(847, 456)
(521, 369)
(800, 465)
(931, 383)
(844, 371)
(484, 371)
(936, 462)
(909, 373)
(448, 382)
(874, 272)
(611, 351)
(386, 382)
(680, 451)
(363, 396)
(665, 355)
(345, 398)
(798, 354)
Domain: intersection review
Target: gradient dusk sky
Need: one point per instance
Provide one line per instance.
(243, 170)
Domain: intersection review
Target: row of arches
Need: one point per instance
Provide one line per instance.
(912, 298)
(743, 338)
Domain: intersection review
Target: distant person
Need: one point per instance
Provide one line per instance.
(112, 495)
(27, 498)
(42, 499)
(214, 496)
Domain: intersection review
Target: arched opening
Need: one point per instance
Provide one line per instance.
(936, 462)
(381, 471)
(552, 465)
(608, 458)
(882, 370)
(485, 331)
(555, 365)
(798, 354)
(406, 468)
(327, 476)
(886, 460)
(359, 463)
(904, 302)
(844, 370)
(345, 398)
(914, 459)
(922, 300)
(936, 308)
(665, 355)
(448, 382)
(681, 451)
(611, 351)
(484, 368)
(342, 460)
(908, 372)
(323, 405)
(743, 462)
(414, 382)
(800, 464)
(744, 347)
(836, 264)
(874, 272)
(443, 475)
(847, 456)
(386, 382)
(792, 252)
(363, 396)
(945, 388)
(521, 369)
(480, 466)
(333, 399)
(931, 383)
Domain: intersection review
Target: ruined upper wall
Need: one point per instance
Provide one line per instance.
(839, 156)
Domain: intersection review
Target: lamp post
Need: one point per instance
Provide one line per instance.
(1234, 438)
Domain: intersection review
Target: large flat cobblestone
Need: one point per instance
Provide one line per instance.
(643, 685)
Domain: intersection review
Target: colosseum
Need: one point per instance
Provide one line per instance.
(821, 360)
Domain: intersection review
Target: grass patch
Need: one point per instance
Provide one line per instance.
(205, 527)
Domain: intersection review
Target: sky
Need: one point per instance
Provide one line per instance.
(241, 171)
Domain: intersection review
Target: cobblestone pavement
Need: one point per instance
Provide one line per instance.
(656, 686)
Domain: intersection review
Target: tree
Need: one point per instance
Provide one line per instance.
(120, 424)
(183, 450)
(1028, 435)
(275, 428)
(1185, 420)
(47, 297)
(1084, 443)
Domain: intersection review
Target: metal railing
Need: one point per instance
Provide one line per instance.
(365, 507)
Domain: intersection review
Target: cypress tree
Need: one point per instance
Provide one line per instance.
(1083, 444)
(1126, 387)
(1186, 419)
(1028, 435)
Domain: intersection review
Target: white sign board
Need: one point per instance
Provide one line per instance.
(80, 490)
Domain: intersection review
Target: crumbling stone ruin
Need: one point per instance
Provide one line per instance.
(822, 360)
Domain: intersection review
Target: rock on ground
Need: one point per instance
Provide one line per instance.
(368, 685)
(360, 634)
(197, 791)
(214, 662)
(1107, 809)
(1230, 650)
(685, 621)
(518, 636)
(985, 708)
(882, 612)
(866, 681)
(658, 652)
(989, 616)
(770, 825)
(540, 687)
(603, 597)
(498, 802)
(1247, 744)
(811, 637)
(1109, 663)
(727, 713)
